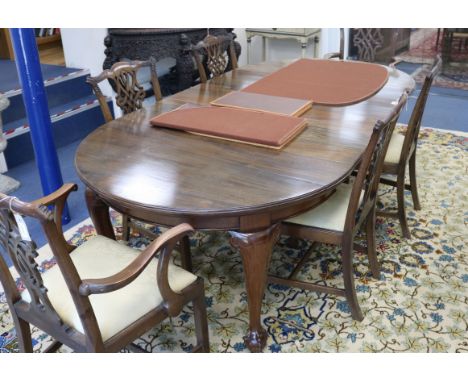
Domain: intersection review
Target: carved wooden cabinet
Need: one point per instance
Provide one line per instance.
(140, 44)
(303, 35)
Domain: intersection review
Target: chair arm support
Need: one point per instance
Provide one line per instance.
(58, 195)
(164, 242)
(58, 199)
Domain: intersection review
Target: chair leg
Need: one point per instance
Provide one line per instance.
(201, 321)
(371, 252)
(186, 254)
(401, 206)
(125, 227)
(348, 276)
(414, 186)
(23, 332)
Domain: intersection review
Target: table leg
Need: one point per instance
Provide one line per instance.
(255, 249)
(249, 47)
(264, 48)
(99, 213)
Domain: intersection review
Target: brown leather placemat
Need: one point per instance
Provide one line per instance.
(325, 82)
(263, 102)
(240, 125)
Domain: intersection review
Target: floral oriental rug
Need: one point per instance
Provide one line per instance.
(420, 304)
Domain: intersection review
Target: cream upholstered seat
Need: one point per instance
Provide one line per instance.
(394, 148)
(329, 215)
(100, 257)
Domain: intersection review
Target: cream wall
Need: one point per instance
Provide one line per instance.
(84, 48)
(286, 49)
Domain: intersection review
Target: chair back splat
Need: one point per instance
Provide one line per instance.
(214, 55)
(130, 94)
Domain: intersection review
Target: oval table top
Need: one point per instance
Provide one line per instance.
(177, 176)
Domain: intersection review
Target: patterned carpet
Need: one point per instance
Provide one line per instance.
(420, 304)
(423, 50)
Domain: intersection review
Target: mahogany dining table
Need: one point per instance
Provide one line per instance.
(169, 177)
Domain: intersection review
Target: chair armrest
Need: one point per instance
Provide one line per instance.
(394, 63)
(57, 199)
(329, 56)
(164, 243)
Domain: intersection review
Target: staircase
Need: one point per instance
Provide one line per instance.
(74, 110)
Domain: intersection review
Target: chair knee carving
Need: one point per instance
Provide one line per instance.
(101, 295)
(402, 154)
(214, 55)
(337, 220)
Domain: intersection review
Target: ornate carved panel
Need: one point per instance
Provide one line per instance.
(367, 41)
(23, 256)
(140, 44)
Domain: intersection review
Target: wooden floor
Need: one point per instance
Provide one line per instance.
(52, 55)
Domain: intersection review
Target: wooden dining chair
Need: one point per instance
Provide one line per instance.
(214, 55)
(129, 96)
(129, 93)
(101, 295)
(367, 42)
(340, 53)
(337, 220)
(402, 154)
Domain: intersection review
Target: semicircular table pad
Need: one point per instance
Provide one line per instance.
(325, 82)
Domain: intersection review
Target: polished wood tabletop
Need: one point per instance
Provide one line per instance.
(168, 177)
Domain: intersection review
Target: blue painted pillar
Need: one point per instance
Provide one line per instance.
(35, 101)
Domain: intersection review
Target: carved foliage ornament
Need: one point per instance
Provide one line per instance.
(23, 254)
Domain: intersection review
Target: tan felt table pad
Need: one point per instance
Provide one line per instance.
(263, 102)
(325, 82)
(266, 129)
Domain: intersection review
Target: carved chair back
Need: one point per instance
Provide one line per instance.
(129, 92)
(214, 55)
(414, 124)
(364, 192)
(368, 41)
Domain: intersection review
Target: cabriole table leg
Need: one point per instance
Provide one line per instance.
(255, 249)
(99, 213)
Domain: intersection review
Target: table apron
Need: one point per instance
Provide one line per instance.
(243, 222)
